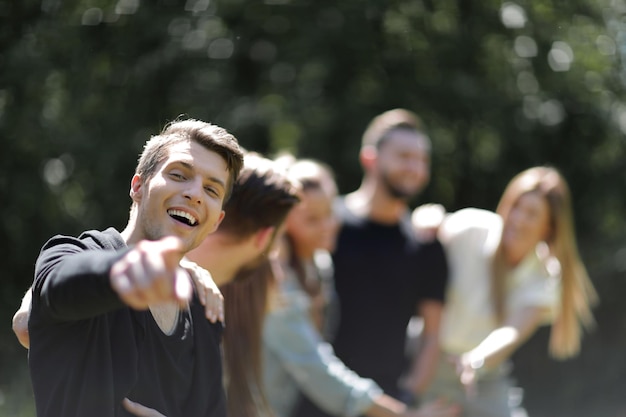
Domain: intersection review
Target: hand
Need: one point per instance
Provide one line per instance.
(150, 273)
(426, 220)
(139, 410)
(20, 327)
(208, 292)
(467, 370)
(412, 385)
(436, 409)
(20, 320)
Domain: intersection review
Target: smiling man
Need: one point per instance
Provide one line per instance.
(113, 314)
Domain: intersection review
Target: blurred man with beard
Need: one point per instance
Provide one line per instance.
(383, 274)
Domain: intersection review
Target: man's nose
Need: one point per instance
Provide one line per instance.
(193, 191)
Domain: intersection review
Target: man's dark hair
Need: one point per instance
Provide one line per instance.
(262, 197)
(397, 119)
(211, 137)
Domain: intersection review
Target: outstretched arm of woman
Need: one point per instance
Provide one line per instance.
(500, 344)
(383, 406)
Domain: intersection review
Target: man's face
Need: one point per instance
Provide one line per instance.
(184, 197)
(403, 164)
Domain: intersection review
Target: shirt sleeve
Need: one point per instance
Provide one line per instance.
(72, 280)
(312, 363)
(435, 272)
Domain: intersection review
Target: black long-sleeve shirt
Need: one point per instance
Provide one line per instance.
(89, 350)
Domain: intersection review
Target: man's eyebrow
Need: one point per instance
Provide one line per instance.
(218, 181)
(190, 166)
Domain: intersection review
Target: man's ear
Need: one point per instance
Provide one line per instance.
(136, 188)
(263, 238)
(368, 156)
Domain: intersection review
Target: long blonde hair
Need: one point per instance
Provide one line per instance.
(577, 291)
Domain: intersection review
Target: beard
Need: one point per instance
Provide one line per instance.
(395, 191)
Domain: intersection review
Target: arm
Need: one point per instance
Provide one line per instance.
(430, 307)
(208, 294)
(74, 281)
(290, 335)
(500, 344)
(427, 356)
(20, 320)
(385, 406)
(426, 220)
(322, 377)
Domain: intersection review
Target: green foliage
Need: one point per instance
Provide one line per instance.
(500, 87)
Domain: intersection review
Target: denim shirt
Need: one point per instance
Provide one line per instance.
(298, 361)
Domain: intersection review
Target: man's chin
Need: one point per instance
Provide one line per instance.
(403, 195)
(187, 241)
(190, 236)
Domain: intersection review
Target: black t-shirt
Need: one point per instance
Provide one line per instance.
(89, 351)
(381, 274)
(165, 361)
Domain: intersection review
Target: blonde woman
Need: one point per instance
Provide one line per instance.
(510, 272)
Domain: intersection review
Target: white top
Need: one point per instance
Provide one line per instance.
(470, 237)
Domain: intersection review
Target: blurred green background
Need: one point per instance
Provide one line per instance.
(501, 86)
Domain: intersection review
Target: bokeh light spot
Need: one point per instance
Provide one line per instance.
(512, 15)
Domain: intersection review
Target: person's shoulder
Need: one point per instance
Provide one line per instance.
(288, 296)
(348, 212)
(470, 226)
(470, 214)
(340, 208)
(471, 218)
(87, 240)
(106, 239)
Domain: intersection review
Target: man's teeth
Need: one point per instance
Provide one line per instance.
(179, 213)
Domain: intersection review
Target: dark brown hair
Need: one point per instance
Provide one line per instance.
(246, 302)
(212, 137)
(262, 197)
(396, 119)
